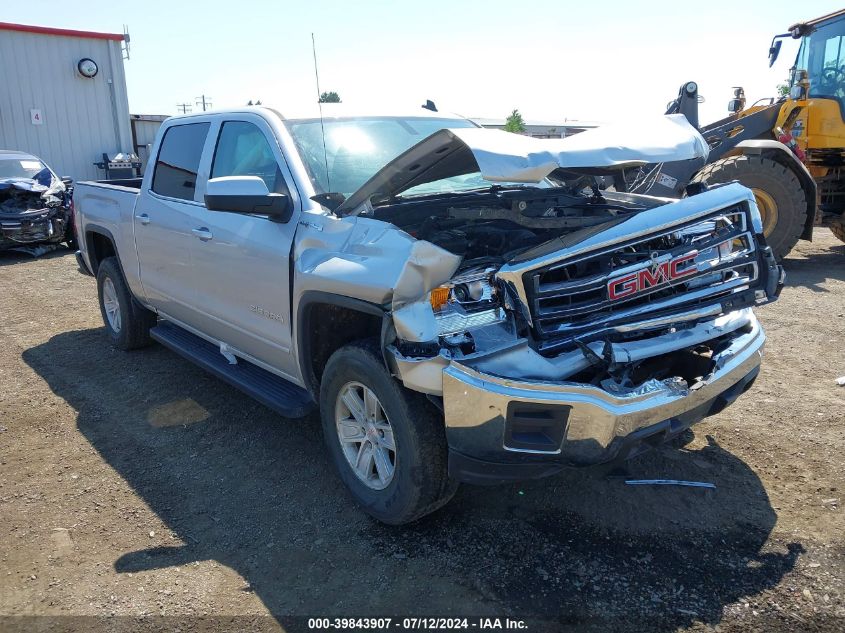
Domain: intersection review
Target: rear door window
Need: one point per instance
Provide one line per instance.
(243, 150)
(178, 160)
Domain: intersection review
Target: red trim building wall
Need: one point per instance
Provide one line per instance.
(48, 30)
(48, 108)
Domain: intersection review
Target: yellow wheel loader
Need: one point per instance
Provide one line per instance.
(817, 86)
(789, 151)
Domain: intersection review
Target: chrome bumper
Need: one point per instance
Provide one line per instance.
(483, 414)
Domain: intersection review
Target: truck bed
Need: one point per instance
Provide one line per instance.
(107, 207)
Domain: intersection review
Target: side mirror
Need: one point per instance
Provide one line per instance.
(797, 93)
(734, 105)
(774, 51)
(247, 194)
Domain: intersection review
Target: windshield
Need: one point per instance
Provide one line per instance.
(822, 55)
(20, 167)
(358, 147)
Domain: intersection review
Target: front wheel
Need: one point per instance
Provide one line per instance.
(777, 190)
(387, 443)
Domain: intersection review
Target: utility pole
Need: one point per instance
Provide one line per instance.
(204, 101)
(184, 108)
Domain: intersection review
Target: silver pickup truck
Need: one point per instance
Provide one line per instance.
(461, 304)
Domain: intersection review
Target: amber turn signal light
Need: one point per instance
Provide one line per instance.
(439, 297)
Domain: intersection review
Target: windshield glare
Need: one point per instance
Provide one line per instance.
(356, 148)
(20, 167)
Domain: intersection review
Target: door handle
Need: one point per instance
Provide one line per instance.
(143, 218)
(202, 233)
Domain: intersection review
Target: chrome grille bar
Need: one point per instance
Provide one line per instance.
(573, 296)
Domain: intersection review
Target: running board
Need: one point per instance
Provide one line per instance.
(270, 390)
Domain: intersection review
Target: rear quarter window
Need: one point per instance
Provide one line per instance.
(178, 160)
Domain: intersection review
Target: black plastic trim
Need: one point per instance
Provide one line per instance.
(269, 389)
(80, 261)
(470, 470)
(90, 229)
(535, 426)
(303, 341)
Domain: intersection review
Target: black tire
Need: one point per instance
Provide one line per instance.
(135, 320)
(420, 483)
(779, 182)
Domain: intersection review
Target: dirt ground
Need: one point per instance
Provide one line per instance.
(133, 484)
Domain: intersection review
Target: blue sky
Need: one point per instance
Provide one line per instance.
(599, 60)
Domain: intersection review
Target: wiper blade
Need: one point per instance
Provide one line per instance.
(535, 221)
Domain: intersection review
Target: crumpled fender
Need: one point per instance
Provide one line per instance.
(427, 267)
(376, 262)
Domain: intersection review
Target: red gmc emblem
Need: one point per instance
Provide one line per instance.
(651, 277)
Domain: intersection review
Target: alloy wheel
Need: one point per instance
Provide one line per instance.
(365, 435)
(111, 304)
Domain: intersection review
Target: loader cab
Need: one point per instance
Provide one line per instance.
(822, 56)
(818, 79)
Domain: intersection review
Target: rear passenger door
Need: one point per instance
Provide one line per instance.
(164, 217)
(241, 263)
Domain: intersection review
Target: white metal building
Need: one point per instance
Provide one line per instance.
(144, 130)
(63, 97)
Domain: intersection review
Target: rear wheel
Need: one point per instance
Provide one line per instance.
(387, 443)
(127, 322)
(777, 190)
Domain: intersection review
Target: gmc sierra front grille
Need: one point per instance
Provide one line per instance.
(691, 265)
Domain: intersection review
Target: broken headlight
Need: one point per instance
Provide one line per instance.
(468, 301)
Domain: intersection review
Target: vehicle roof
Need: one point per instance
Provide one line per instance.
(13, 153)
(817, 21)
(334, 111)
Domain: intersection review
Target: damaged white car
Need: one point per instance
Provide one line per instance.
(461, 304)
(35, 205)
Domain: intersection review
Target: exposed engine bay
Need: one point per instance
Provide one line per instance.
(494, 226)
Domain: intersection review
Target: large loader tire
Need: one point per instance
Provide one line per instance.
(777, 190)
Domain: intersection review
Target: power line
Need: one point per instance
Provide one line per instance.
(204, 101)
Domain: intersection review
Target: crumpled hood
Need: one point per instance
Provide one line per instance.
(506, 157)
(23, 184)
(24, 195)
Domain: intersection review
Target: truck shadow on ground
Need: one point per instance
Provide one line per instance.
(238, 485)
(816, 268)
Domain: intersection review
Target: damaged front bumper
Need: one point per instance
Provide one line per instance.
(574, 376)
(44, 226)
(33, 210)
(501, 429)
